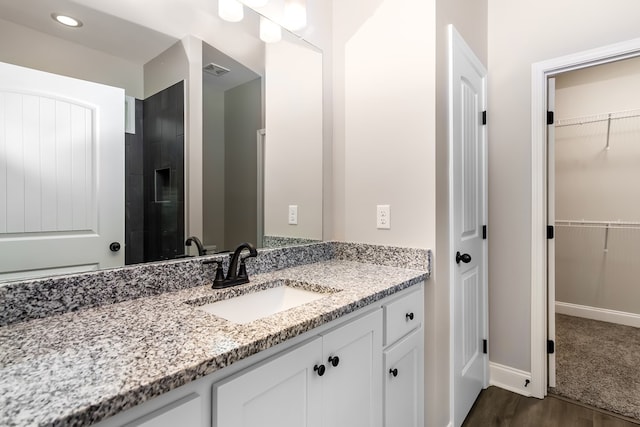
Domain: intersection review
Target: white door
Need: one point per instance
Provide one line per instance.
(61, 174)
(283, 392)
(352, 389)
(551, 243)
(468, 215)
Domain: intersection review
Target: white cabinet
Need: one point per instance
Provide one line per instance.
(403, 366)
(352, 390)
(183, 412)
(404, 361)
(283, 391)
(330, 381)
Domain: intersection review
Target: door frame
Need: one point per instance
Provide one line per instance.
(540, 72)
(456, 41)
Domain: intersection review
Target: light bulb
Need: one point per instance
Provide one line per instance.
(295, 14)
(67, 20)
(230, 10)
(270, 32)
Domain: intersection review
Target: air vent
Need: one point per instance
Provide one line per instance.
(215, 69)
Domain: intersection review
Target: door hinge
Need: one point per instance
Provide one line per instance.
(550, 231)
(550, 119)
(484, 232)
(551, 346)
(484, 117)
(484, 346)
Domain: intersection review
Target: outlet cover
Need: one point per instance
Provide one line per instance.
(383, 217)
(293, 214)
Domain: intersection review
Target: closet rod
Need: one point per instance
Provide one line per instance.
(606, 117)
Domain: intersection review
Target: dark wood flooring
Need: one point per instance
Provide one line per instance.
(499, 407)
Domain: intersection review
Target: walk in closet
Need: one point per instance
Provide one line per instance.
(596, 161)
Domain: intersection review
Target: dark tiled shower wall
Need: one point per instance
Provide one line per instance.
(134, 184)
(164, 174)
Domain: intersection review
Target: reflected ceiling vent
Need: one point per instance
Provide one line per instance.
(215, 69)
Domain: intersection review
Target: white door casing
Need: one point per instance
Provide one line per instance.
(467, 193)
(540, 73)
(61, 174)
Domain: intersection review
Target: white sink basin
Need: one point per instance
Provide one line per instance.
(256, 305)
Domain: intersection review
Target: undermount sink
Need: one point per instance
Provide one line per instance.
(261, 303)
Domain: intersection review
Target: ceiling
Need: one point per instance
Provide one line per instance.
(101, 31)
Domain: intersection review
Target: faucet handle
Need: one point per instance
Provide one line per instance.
(219, 280)
(242, 271)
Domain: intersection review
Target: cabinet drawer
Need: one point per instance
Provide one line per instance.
(403, 315)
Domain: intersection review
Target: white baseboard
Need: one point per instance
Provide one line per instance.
(595, 313)
(509, 378)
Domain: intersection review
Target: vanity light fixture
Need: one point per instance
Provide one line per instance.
(270, 32)
(295, 14)
(230, 10)
(256, 3)
(66, 20)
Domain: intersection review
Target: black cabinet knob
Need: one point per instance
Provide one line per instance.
(114, 246)
(319, 369)
(466, 258)
(334, 360)
(393, 372)
(409, 316)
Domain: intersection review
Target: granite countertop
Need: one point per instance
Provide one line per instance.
(81, 367)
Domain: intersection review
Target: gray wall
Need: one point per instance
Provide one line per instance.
(242, 120)
(213, 157)
(596, 184)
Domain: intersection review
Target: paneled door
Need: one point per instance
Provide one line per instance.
(61, 174)
(468, 216)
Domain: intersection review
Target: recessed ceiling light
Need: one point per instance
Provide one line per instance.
(67, 20)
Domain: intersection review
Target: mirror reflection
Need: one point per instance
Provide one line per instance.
(223, 137)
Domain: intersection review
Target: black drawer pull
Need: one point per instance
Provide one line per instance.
(394, 372)
(319, 369)
(409, 316)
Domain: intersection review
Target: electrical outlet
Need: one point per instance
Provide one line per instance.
(383, 217)
(293, 214)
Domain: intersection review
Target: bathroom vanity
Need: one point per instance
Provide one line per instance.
(353, 356)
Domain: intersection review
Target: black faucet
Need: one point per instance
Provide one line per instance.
(236, 275)
(194, 239)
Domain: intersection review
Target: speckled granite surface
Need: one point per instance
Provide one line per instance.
(82, 366)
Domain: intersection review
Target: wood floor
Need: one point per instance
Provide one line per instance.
(499, 407)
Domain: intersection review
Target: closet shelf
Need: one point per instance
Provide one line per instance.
(605, 117)
(598, 224)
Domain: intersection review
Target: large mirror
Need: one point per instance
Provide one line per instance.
(245, 117)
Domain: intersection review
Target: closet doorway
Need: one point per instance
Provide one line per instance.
(593, 260)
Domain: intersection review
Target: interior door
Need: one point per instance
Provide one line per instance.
(468, 215)
(61, 174)
(551, 243)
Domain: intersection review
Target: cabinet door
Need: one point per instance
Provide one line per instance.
(283, 391)
(352, 390)
(403, 388)
(184, 412)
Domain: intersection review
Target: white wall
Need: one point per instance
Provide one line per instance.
(594, 183)
(522, 33)
(385, 119)
(29, 48)
(293, 147)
